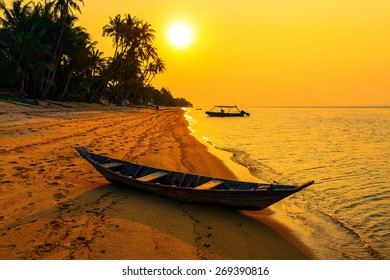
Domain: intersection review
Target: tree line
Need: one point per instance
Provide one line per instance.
(45, 55)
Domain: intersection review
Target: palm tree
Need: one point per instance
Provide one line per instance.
(13, 17)
(114, 29)
(19, 42)
(95, 65)
(146, 33)
(64, 8)
(75, 54)
(135, 58)
(51, 57)
(63, 12)
(155, 67)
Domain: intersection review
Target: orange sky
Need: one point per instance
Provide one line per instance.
(266, 52)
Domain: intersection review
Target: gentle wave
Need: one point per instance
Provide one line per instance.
(369, 249)
(256, 168)
(345, 150)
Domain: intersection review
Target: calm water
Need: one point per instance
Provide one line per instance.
(346, 214)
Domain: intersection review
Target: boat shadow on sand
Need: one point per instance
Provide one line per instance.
(112, 222)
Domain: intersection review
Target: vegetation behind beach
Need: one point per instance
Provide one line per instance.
(44, 54)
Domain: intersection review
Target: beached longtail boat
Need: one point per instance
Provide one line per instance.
(226, 111)
(190, 187)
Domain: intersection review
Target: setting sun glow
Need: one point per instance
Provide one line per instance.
(180, 35)
(266, 53)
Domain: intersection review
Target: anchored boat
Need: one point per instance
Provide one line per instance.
(226, 111)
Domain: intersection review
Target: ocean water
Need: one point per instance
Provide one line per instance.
(346, 213)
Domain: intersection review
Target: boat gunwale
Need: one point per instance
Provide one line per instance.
(270, 187)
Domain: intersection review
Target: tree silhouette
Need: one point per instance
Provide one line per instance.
(45, 54)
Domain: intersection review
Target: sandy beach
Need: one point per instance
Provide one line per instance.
(53, 205)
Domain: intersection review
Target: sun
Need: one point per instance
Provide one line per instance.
(180, 35)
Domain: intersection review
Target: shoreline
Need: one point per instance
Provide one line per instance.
(270, 216)
(55, 206)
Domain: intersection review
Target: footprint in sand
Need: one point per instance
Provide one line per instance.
(55, 224)
(81, 239)
(19, 174)
(19, 168)
(66, 206)
(7, 182)
(59, 196)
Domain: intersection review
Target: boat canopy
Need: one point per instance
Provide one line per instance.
(225, 107)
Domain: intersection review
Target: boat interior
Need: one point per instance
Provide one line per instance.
(171, 178)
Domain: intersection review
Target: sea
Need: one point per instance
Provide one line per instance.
(345, 215)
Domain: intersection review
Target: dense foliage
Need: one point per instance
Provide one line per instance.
(45, 55)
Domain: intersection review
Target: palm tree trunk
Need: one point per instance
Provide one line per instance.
(55, 60)
(22, 82)
(50, 76)
(66, 86)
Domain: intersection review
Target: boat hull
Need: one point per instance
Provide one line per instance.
(238, 199)
(223, 115)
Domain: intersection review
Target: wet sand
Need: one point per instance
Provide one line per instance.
(54, 205)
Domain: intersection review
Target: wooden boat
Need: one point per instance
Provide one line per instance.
(190, 187)
(226, 111)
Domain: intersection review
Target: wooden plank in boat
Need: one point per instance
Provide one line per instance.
(209, 185)
(152, 177)
(112, 164)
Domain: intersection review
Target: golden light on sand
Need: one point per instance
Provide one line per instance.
(180, 35)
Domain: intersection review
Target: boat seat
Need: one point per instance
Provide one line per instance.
(152, 176)
(112, 164)
(209, 185)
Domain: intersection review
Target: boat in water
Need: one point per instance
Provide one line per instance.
(187, 187)
(226, 111)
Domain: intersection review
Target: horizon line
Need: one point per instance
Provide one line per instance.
(319, 106)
